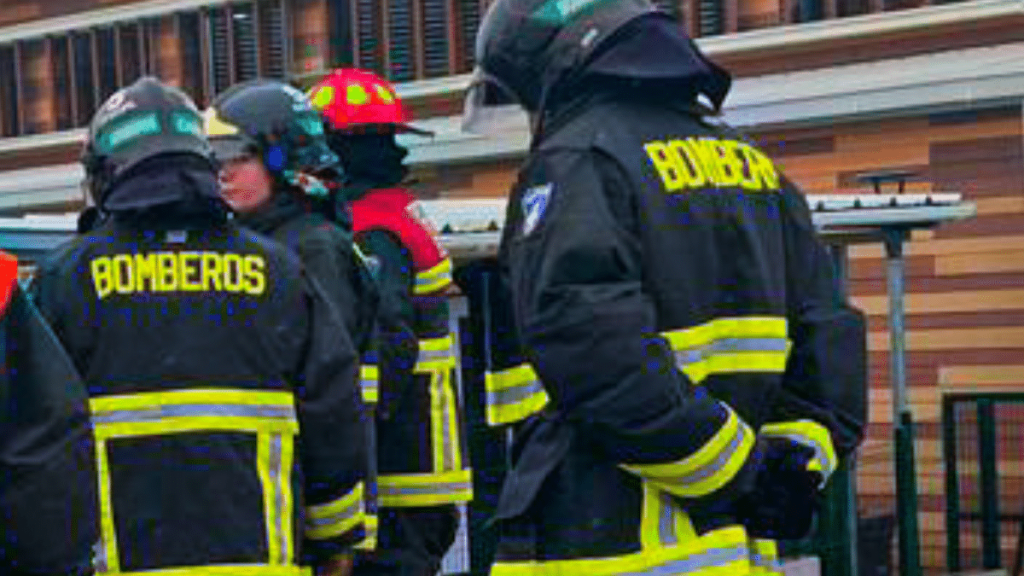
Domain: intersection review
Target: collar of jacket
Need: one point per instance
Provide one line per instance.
(282, 207)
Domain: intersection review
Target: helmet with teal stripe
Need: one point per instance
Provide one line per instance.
(145, 120)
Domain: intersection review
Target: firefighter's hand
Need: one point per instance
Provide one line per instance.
(340, 565)
(785, 496)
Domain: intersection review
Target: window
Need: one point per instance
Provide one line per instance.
(63, 105)
(469, 14)
(131, 53)
(82, 77)
(10, 117)
(272, 38)
(369, 24)
(192, 57)
(711, 17)
(401, 52)
(106, 62)
(243, 42)
(342, 53)
(435, 38)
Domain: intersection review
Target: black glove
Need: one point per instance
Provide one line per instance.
(785, 497)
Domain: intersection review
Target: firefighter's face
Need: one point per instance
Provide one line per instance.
(245, 184)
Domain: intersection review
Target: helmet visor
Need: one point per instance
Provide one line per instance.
(227, 149)
(491, 107)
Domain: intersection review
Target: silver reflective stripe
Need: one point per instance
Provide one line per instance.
(515, 394)
(758, 560)
(666, 520)
(687, 356)
(713, 467)
(443, 354)
(439, 488)
(192, 410)
(696, 562)
(274, 465)
(99, 559)
(447, 434)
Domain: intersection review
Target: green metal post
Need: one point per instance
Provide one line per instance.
(903, 433)
(836, 536)
(989, 489)
(837, 527)
(952, 485)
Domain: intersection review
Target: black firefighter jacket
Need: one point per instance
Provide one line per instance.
(674, 303)
(224, 396)
(48, 518)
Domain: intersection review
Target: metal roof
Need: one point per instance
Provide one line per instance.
(471, 228)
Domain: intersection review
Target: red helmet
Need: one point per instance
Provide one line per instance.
(348, 97)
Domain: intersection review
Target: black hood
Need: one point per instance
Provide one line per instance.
(370, 161)
(175, 187)
(654, 49)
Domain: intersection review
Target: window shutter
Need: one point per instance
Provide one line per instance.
(470, 13)
(436, 32)
(400, 49)
(369, 35)
(220, 49)
(243, 42)
(272, 38)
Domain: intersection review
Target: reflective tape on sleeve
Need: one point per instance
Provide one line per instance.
(434, 279)
(709, 468)
(414, 490)
(810, 434)
(337, 517)
(731, 345)
(513, 395)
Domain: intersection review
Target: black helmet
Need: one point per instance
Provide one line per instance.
(526, 47)
(523, 45)
(274, 122)
(143, 121)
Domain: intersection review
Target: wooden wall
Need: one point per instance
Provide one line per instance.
(965, 302)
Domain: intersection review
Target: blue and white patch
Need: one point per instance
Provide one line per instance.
(535, 204)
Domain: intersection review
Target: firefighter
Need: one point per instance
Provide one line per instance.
(423, 469)
(223, 385)
(48, 520)
(672, 299)
(278, 175)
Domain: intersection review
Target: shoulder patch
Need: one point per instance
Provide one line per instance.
(535, 204)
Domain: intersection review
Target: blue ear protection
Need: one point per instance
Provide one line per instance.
(274, 159)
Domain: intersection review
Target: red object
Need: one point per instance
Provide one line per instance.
(8, 278)
(348, 97)
(393, 210)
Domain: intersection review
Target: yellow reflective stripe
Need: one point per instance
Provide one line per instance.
(434, 279)
(810, 434)
(721, 552)
(337, 517)
(729, 345)
(513, 394)
(194, 424)
(268, 414)
(369, 383)
(372, 528)
(107, 559)
(709, 468)
(224, 570)
(437, 360)
(195, 396)
(764, 558)
(407, 490)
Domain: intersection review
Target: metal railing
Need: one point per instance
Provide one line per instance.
(985, 421)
